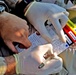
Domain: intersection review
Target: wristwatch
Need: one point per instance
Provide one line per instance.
(2, 8)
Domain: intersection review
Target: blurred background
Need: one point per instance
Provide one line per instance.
(72, 11)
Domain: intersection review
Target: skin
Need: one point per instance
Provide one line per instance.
(14, 29)
(10, 62)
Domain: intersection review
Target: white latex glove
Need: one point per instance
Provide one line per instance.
(38, 13)
(29, 60)
(58, 2)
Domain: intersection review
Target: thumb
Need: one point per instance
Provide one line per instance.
(63, 18)
(11, 46)
(66, 13)
(39, 52)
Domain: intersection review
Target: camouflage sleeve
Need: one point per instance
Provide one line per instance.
(20, 6)
(11, 3)
(5, 5)
(3, 66)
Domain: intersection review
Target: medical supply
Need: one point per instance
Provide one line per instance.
(58, 45)
(43, 63)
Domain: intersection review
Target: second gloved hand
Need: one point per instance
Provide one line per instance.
(27, 61)
(39, 12)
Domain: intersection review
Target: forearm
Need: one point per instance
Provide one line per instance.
(10, 61)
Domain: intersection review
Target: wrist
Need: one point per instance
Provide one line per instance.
(3, 66)
(18, 63)
(11, 65)
(20, 7)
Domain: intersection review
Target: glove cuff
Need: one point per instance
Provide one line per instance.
(17, 63)
(28, 8)
(20, 6)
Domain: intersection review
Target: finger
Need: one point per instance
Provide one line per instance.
(42, 49)
(39, 52)
(43, 31)
(66, 13)
(63, 20)
(59, 30)
(22, 38)
(11, 46)
(26, 43)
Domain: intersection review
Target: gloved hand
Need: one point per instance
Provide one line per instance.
(27, 61)
(58, 2)
(38, 13)
(14, 29)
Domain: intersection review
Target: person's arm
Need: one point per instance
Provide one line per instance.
(21, 63)
(7, 65)
(11, 64)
